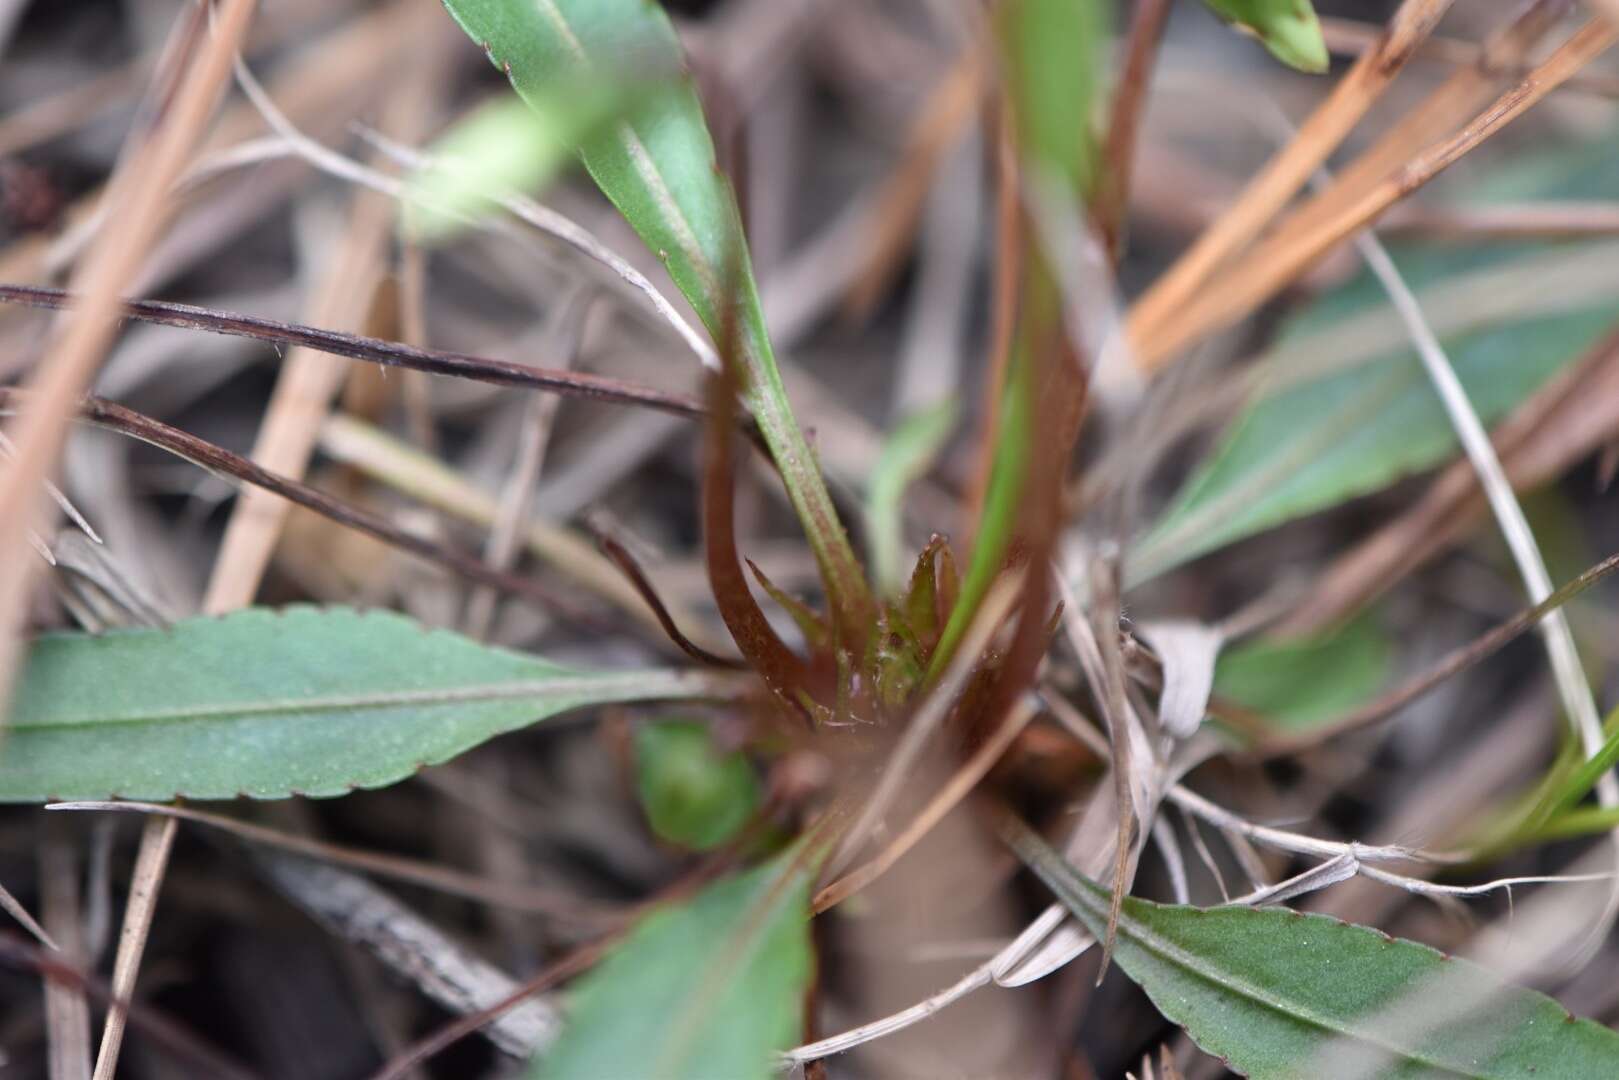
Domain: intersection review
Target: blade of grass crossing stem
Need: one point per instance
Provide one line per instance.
(710, 987)
(1277, 993)
(657, 165)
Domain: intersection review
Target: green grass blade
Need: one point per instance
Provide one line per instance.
(657, 165)
(709, 988)
(267, 704)
(1280, 995)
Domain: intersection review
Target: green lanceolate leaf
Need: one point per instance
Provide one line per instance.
(708, 989)
(657, 165)
(694, 793)
(268, 704)
(1347, 408)
(1297, 684)
(1279, 995)
(1288, 28)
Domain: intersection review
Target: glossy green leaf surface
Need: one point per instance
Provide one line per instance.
(694, 793)
(1281, 995)
(711, 988)
(1296, 684)
(657, 165)
(1288, 28)
(266, 703)
(1509, 315)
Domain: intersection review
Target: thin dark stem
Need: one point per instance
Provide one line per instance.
(376, 350)
(638, 580)
(1124, 122)
(217, 459)
(1460, 659)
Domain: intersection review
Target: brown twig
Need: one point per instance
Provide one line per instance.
(1267, 269)
(1351, 37)
(389, 353)
(1282, 178)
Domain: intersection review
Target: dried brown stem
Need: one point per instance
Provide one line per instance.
(1160, 308)
(389, 353)
(1265, 271)
(1124, 123)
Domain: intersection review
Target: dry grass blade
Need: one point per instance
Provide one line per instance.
(157, 840)
(422, 477)
(1257, 277)
(202, 1059)
(1282, 178)
(1565, 660)
(134, 202)
(1461, 95)
(567, 323)
(305, 387)
(1349, 37)
(67, 1009)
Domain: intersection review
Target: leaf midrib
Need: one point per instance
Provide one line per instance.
(589, 685)
(1173, 954)
(645, 166)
